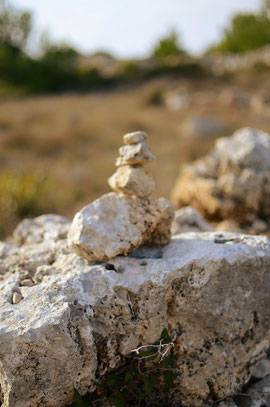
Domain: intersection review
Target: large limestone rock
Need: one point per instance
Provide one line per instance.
(81, 319)
(232, 182)
(117, 224)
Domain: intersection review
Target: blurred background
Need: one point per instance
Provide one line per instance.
(76, 76)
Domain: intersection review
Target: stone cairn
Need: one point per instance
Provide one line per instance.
(131, 177)
(119, 222)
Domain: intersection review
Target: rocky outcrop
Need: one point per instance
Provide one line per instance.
(232, 182)
(78, 320)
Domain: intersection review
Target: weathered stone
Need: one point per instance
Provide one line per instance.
(261, 369)
(16, 298)
(117, 224)
(202, 128)
(136, 137)
(50, 227)
(82, 319)
(135, 154)
(133, 181)
(187, 219)
(258, 395)
(232, 182)
(162, 233)
(27, 282)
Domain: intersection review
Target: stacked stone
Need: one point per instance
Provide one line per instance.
(131, 177)
(119, 222)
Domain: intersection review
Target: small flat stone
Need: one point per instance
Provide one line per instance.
(135, 154)
(135, 137)
(16, 298)
(27, 282)
(133, 181)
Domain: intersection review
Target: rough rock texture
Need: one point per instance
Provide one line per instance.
(133, 181)
(187, 219)
(117, 224)
(232, 182)
(257, 396)
(135, 137)
(135, 154)
(81, 319)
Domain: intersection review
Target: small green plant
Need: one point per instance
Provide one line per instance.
(135, 383)
(168, 46)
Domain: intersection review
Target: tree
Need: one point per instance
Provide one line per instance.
(167, 46)
(15, 26)
(247, 31)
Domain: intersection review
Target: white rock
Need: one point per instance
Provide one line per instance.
(247, 148)
(116, 224)
(187, 219)
(231, 182)
(135, 154)
(206, 288)
(133, 181)
(51, 227)
(136, 137)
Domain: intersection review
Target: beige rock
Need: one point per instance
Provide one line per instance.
(136, 137)
(187, 219)
(231, 182)
(83, 320)
(133, 181)
(27, 282)
(16, 298)
(135, 154)
(117, 224)
(162, 232)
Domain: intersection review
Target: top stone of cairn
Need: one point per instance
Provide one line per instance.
(135, 137)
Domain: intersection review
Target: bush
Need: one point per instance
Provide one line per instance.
(23, 195)
(246, 32)
(168, 46)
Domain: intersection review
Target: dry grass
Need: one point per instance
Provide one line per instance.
(73, 138)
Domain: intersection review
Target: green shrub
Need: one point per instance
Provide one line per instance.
(168, 46)
(23, 195)
(246, 32)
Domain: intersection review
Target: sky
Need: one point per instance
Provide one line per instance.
(130, 28)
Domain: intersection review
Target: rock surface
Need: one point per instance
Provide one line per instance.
(187, 219)
(232, 182)
(117, 224)
(132, 181)
(81, 319)
(135, 137)
(135, 154)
